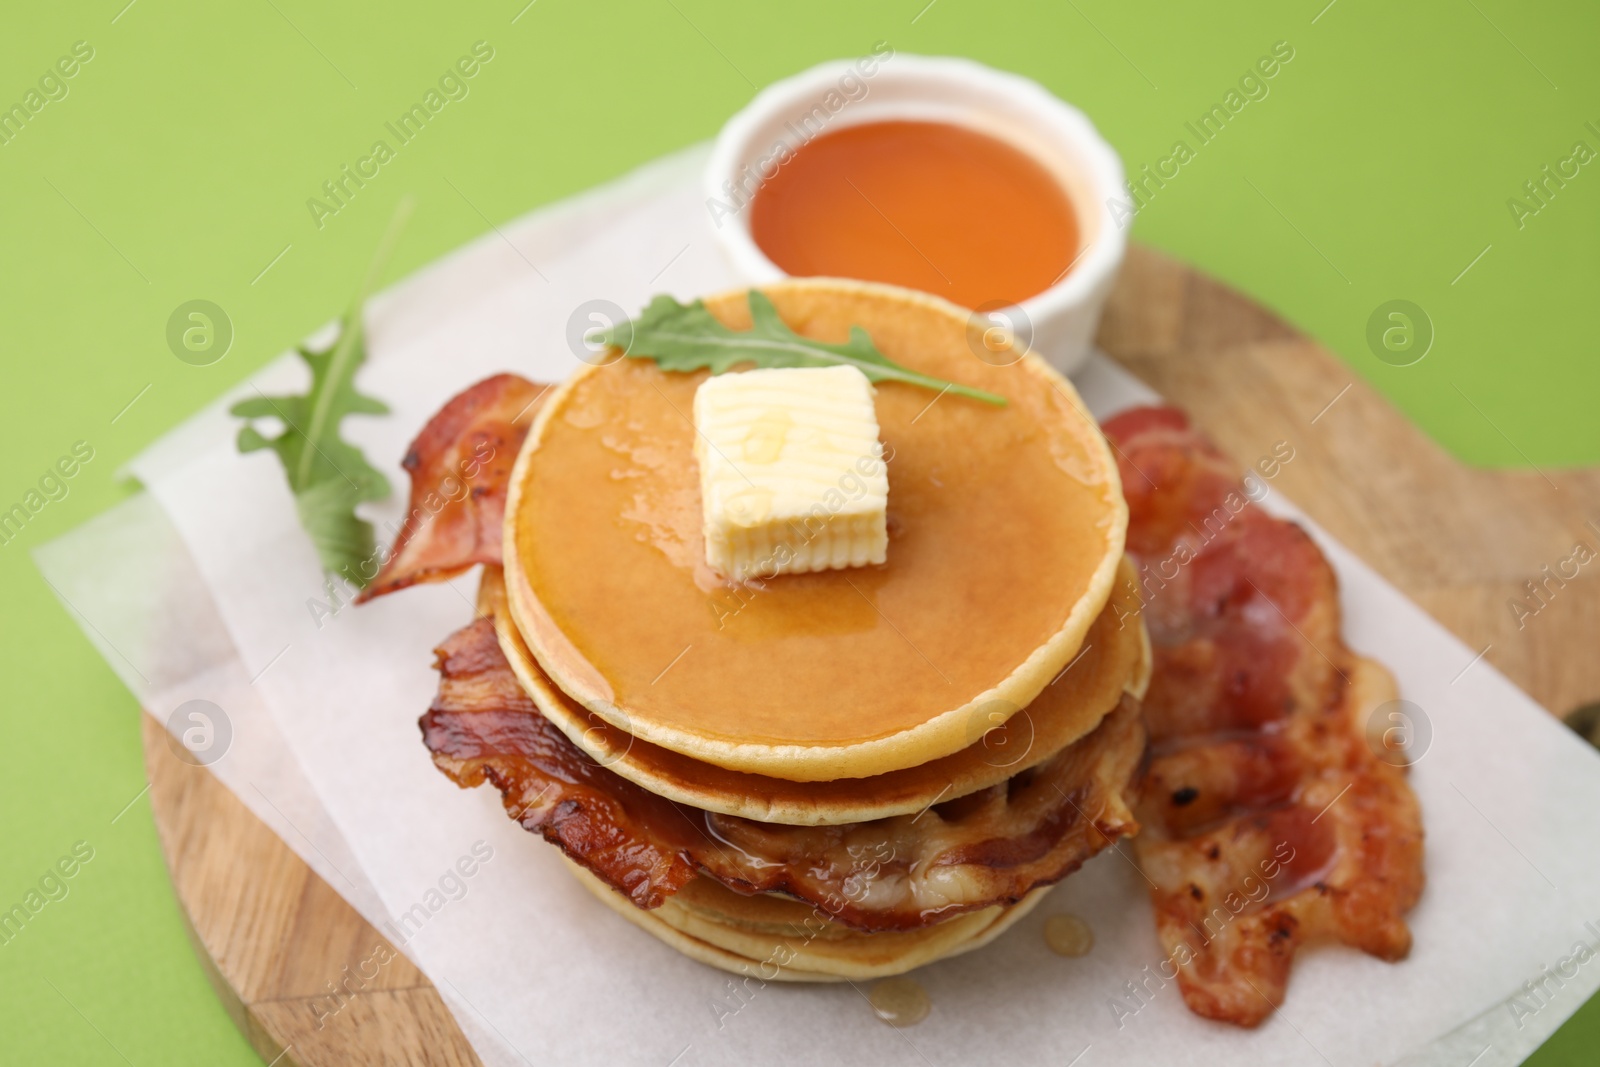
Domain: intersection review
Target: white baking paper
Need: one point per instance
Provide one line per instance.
(206, 588)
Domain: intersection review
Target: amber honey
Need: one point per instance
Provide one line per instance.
(899, 1001)
(928, 205)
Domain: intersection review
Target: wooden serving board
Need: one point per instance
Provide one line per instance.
(1459, 542)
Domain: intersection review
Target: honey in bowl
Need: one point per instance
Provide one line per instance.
(927, 205)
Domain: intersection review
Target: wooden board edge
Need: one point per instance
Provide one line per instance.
(281, 1026)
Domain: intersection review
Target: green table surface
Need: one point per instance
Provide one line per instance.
(1386, 161)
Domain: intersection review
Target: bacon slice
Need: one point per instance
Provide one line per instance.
(1269, 821)
(460, 467)
(991, 847)
(483, 727)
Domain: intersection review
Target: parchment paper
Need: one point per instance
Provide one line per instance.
(205, 587)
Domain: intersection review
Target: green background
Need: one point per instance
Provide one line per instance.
(179, 165)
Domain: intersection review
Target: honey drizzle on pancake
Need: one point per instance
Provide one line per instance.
(870, 676)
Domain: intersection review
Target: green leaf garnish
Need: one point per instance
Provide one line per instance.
(328, 475)
(686, 337)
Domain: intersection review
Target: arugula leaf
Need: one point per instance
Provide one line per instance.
(686, 337)
(328, 475)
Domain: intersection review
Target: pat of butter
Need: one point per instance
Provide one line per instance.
(792, 477)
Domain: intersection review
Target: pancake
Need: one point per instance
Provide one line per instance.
(696, 949)
(1007, 527)
(1114, 659)
(744, 934)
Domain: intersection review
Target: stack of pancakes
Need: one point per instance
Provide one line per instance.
(1000, 648)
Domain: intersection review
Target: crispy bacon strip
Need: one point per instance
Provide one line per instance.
(1269, 821)
(460, 467)
(989, 847)
(483, 727)
(898, 873)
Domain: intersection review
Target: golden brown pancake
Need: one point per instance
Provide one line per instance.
(1115, 658)
(714, 925)
(1007, 526)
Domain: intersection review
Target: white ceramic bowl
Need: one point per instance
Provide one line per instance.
(1058, 323)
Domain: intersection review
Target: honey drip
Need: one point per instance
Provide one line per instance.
(899, 1001)
(1068, 935)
